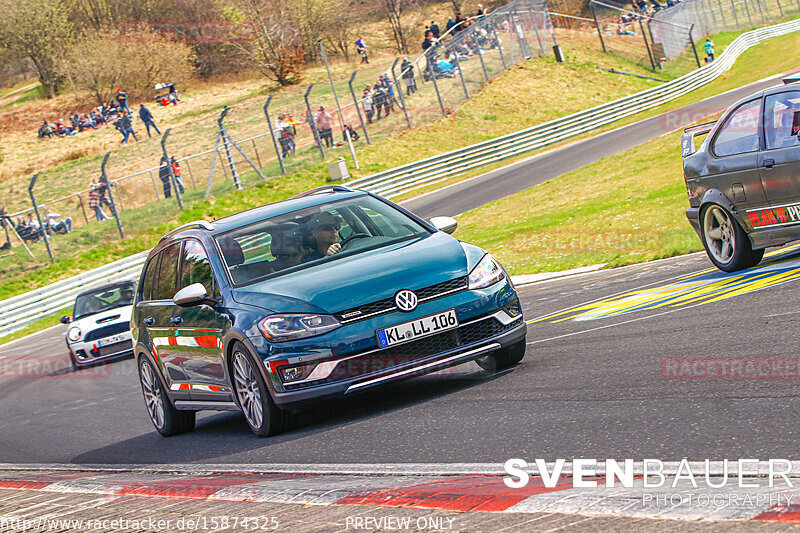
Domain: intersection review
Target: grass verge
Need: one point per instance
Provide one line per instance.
(39, 325)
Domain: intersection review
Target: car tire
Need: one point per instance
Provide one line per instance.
(73, 363)
(252, 395)
(726, 243)
(167, 420)
(504, 357)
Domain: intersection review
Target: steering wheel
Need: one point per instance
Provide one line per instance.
(350, 238)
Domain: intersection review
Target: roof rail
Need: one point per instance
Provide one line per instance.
(201, 224)
(324, 188)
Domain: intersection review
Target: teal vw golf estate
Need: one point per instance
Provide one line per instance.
(329, 293)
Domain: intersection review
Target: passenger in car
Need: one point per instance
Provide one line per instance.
(323, 236)
(288, 250)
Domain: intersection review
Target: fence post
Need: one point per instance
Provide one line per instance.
(429, 54)
(39, 216)
(647, 45)
(735, 16)
(519, 31)
(536, 29)
(227, 146)
(191, 176)
(483, 64)
(399, 92)
(272, 134)
(763, 9)
(500, 46)
(747, 10)
(597, 25)
(780, 7)
(358, 108)
(155, 189)
(312, 124)
(104, 180)
(213, 164)
(166, 161)
(255, 149)
(722, 14)
(694, 48)
(461, 74)
(83, 209)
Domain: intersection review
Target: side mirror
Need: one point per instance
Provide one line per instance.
(64, 319)
(445, 224)
(194, 294)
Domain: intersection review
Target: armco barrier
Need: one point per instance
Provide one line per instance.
(405, 178)
(19, 311)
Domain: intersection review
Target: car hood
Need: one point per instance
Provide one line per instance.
(104, 318)
(360, 279)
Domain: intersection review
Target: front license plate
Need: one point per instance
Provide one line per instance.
(415, 329)
(111, 340)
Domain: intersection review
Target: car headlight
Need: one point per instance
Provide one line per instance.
(288, 327)
(74, 333)
(487, 272)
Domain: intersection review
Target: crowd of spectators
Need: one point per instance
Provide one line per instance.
(30, 229)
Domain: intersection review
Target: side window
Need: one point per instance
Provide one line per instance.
(195, 267)
(782, 120)
(739, 134)
(149, 285)
(168, 272)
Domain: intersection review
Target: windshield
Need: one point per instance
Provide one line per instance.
(103, 300)
(312, 236)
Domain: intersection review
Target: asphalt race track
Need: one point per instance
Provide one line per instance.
(620, 363)
(462, 197)
(594, 383)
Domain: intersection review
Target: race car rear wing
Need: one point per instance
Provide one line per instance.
(687, 139)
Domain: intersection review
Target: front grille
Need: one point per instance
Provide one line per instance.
(423, 348)
(107, 331)
(387, 304)
(117, 347)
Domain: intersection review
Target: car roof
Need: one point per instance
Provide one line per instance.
(244, 218)
(106, 287)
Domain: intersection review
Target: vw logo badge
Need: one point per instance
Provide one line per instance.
(406, 300)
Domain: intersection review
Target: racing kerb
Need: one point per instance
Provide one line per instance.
(19, 311)
(428, 171)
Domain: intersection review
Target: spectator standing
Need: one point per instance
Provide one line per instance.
(407, 70)
(435, 30)
(366, 101)
(450, 24)
(323, 121)
(147, 118)
(459, 23)
(96, 197)
(428, 42)
(313, 127)
(708, 46)
(480, 12)
(5, 222)
(122, 100)
(176, 171)
(378, 98)
(125, 127)
(391, 99)
(291, 131)
(361, 48)
(55, 225)
(163, 175)
(280, 125)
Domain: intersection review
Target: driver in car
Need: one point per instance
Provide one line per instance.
(126, 296)
(323, 237)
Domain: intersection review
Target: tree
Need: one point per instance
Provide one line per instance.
(314, 18)
(394, 9)
(101, 64)
(273, 43)
(39, 30)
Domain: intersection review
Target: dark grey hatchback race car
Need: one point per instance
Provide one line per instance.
(744, 179)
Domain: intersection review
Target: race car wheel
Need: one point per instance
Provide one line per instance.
(503, 358)
(726, 243)
(167, 420)
(252, 395)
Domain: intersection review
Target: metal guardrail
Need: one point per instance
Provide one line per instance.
(434, 169)
(19, 311)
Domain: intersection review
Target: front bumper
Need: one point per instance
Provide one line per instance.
(86, 353)
(515, 331)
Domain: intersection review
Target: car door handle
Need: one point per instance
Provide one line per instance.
(768, 163)
(177, 320)
(149, 321)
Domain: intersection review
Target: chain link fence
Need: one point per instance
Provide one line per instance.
(248, 144)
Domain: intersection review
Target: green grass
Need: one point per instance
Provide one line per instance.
(606, 212)
(39, 325)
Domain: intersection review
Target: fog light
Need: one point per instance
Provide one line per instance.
(294, 373)
(513, 309)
